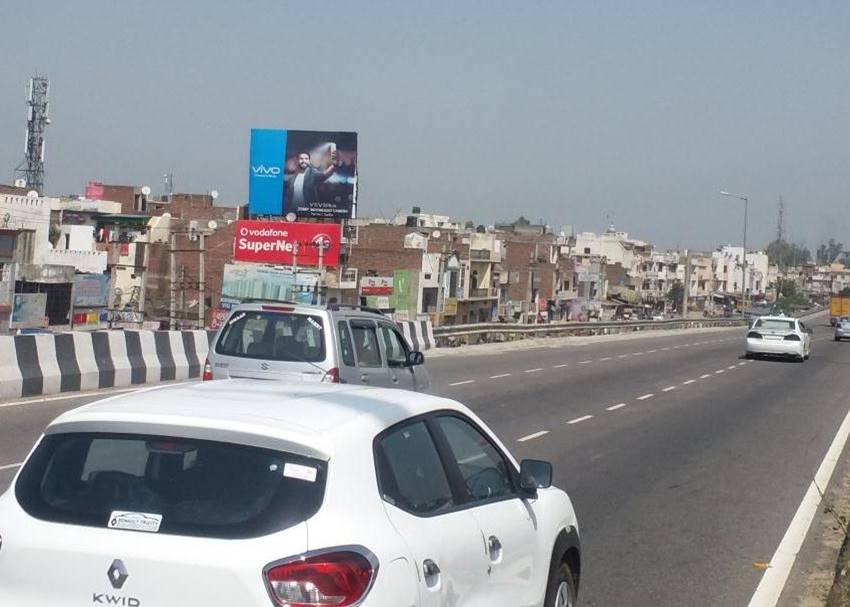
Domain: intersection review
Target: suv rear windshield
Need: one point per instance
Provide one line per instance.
(198, 487)
(278, 336)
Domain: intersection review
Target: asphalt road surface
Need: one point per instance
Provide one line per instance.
(685, 462)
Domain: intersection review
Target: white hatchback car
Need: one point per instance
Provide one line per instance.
(779, 336)
(245, 492)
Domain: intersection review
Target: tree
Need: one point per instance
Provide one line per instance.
(785, 254)
(676, 294)
(829, 251)
(845, 292)
(469, 224)
(522, 221)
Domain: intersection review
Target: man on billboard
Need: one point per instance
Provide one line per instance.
(302, 186)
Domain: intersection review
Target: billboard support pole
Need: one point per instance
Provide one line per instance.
(172, 307)
(201, 282)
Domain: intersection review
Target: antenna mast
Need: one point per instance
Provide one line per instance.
(31, 170)
(780, 225)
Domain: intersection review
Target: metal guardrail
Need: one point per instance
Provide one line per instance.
(456, 335)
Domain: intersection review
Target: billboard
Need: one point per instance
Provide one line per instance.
(28, 310)
(248, 281)
(376, 285)
(91, 290)
(309, 173)
(285, 243)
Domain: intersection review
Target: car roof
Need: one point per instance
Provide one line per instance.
(786, 318)
(313, 420)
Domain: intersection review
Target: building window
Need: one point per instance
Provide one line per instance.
(587, 250)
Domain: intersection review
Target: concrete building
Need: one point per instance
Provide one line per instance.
(729, 274)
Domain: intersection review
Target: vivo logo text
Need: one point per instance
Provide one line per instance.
(264, 171)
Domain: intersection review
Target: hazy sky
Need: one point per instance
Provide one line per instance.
(565, 111)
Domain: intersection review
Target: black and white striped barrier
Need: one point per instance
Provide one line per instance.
(419, 334)
(34, 365)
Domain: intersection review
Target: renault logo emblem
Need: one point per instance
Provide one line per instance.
(117, 574)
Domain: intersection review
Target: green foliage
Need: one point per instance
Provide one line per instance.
(785, 254)
(676, 294)
(829, 251)
(845, 292)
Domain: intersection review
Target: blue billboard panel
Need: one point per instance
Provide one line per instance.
(265, 177)
(312, 174)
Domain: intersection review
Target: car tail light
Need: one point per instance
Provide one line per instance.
(278, 308)
(792, 337)
(340, 579)
(332, 376)
(207, 376)
(753, 335)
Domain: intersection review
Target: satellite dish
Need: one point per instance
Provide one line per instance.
(436, 234)
(32, 194)
(146, 190)
(20, 183)
(214, 194)
(212, 225)
(290, 216)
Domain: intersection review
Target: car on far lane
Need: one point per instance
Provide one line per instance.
(780, 336)
(842, 328)
(288, 494)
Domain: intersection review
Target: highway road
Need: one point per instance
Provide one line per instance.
(685, 462)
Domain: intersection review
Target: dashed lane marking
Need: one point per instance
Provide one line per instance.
(615, 407)
(11, 466)
(688, 383)
(461, 383)
(561, 366)
(669, 388)
(532, 436)
(580, 419)
(605, 358)
(705, 376)
(538, 369)
(585, 362)
(623, 356)
(731, 366)
(500, 375)
(645, 396)
(719, 371)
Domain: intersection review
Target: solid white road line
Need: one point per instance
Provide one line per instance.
(688, 383)
(561, 366)
(532, 436)
(773, 581)
(645, 396)
(11, 466)
(615, 407)
(705, 376)
(500, 375)
(460, 383)
(669, 388)
(579, 419)
(50, 399)
(532, 370)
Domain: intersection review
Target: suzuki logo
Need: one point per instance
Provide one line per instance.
(117, 574)
(264, 366)
(264, 171)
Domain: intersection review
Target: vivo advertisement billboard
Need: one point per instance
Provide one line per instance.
(310, 173)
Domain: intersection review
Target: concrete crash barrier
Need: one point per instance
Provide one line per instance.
(418, 333)
(36, 365)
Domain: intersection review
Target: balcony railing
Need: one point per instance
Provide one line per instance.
(482, 294)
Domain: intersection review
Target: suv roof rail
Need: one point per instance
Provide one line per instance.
(341, 306)
(253, 300)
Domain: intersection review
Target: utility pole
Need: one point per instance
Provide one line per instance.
(202, 313)
(143, 288)
(172, 264)
(686, 292)
(181, 294)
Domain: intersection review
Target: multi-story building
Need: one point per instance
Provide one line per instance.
(729, 272)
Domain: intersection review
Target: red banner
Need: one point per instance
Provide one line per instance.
(282, 242)
(94, 190)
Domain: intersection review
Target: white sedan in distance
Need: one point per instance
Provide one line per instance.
(780, 336)
(255, 493)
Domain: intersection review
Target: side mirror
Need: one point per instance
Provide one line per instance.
(415, 358)
(534, 474)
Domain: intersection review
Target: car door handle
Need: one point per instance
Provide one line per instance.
(430, 570)
(494, 548)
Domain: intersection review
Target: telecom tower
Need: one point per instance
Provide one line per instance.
(780, 225)
(31, 170)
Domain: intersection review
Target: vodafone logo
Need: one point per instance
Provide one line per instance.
(322, 241)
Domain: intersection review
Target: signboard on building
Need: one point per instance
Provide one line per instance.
(376, 285)
(287, 243)
(91, 290)
(94, 190)
(309, 173)
(28, 310)
(450, 306)
(401, 285)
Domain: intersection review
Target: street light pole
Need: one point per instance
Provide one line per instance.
(744, 263)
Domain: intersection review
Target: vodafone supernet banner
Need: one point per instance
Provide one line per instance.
(279, 242)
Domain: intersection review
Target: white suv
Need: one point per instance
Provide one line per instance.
(244, 492)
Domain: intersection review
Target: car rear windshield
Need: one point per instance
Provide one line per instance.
(280, 336)
(197, 487)
(775, 325)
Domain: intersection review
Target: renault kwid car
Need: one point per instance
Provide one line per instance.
(257, 493)
(336, 344)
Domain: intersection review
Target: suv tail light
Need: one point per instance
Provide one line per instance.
(331, 376)
(340, 579)
(207, 376)
(753, 335)
(792, 337)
